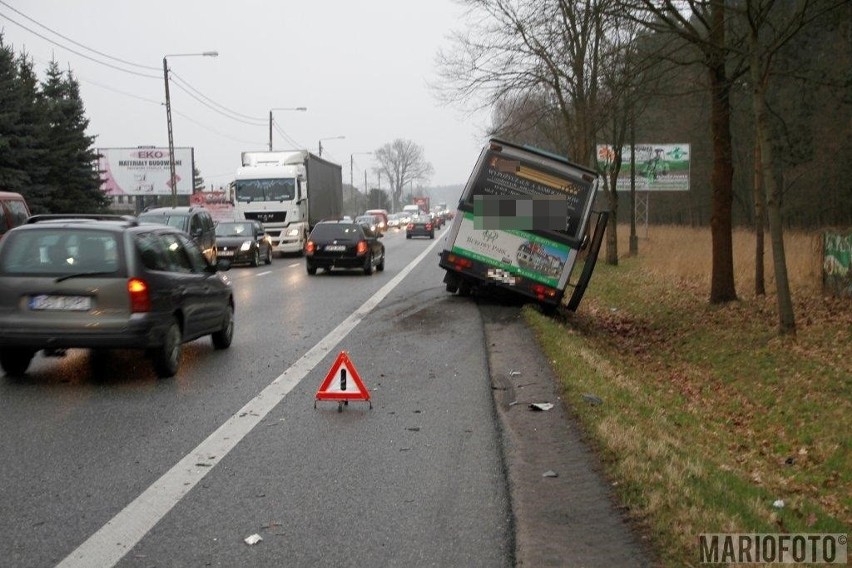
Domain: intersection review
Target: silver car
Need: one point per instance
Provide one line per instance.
(75, 281)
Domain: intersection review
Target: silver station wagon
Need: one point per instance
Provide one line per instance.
(105, 281)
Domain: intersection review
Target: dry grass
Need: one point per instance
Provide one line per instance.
(684, 253)
(709, 415)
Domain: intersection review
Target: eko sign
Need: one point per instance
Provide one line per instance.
(144, 171)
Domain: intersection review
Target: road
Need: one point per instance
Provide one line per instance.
(417, 480)
(118, 468)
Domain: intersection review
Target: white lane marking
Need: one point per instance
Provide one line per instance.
(295, 264)
(264, 273)
(121, 533)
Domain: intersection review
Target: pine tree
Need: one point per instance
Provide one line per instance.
(74, 184)
(197, 180)
(33, 137)
(13, 176)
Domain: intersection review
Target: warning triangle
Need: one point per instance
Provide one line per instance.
(343, 382)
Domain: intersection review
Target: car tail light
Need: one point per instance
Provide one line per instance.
(428, 226)
(459, 262)
(310, 247)
(410, 226)
(541, 292)
(361, 248)
(140, 300)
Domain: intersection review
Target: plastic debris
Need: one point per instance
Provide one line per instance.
(550, 473)
(592, 399)
(253, 539)
(541, 406)
(514, 373)
(778, 504)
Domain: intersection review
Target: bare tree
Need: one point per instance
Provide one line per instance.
(515, 49)
(702, 24)
(402, 162)
(771, 25)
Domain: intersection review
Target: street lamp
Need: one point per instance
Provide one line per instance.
(332, 138)
(172, 176)
(352, 164)
(270, 120)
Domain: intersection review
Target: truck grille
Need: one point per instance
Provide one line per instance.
(267, 216)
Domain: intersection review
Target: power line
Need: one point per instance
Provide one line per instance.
(214, 109)
(77, 43)
(180, 79)
(213, 130)
(287, 136)
(83, 55)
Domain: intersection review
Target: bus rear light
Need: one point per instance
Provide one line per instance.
(459, 262)
(543, 292)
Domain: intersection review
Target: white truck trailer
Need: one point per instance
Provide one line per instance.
(289, 192)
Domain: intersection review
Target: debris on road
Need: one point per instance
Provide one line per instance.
(253, 539)
(514, 373)
(541, 406)
(550, 473)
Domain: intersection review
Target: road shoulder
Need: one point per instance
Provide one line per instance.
(571, 519)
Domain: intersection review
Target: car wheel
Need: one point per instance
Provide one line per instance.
(255, 259)
(368, 265)
(311, 269)
(432, 235)
(381, 265)
(222, 338)
(167, 356)
(15, 362)
(268, 256)
(407, 236)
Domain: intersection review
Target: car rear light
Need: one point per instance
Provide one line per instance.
(459, 262)
(140, 300)
(541, 292)
(410, 226)
(310, 247)
(428, 226)
(361, 248)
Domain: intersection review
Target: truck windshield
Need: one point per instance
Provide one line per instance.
(281, 189)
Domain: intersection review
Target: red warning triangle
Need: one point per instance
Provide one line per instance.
(343, 382)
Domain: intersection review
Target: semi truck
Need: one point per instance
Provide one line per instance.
(289, 192)
(521, 223)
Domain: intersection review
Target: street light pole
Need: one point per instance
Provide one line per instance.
(270, 120)
(172, 176)
(352, 164)
(332, 138)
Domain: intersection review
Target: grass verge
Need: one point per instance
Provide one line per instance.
(709, 417)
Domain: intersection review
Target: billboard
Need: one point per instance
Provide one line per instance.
(659, 167)
(144, 171)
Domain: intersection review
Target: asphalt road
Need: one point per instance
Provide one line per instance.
(120, 468)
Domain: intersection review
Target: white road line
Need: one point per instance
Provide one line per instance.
(121, 533)
(294, 265)
(264, 273)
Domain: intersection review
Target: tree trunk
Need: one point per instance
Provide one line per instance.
(759, 214)
(722, 288)
(786, 317)
(611, 229)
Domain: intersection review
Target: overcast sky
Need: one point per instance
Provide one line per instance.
(362, 68)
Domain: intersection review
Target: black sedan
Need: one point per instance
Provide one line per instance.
(421, 226)
(243, 241)
(344, 244)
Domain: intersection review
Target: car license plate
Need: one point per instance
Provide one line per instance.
(225, 253)
(335, 248)
(61, 303)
